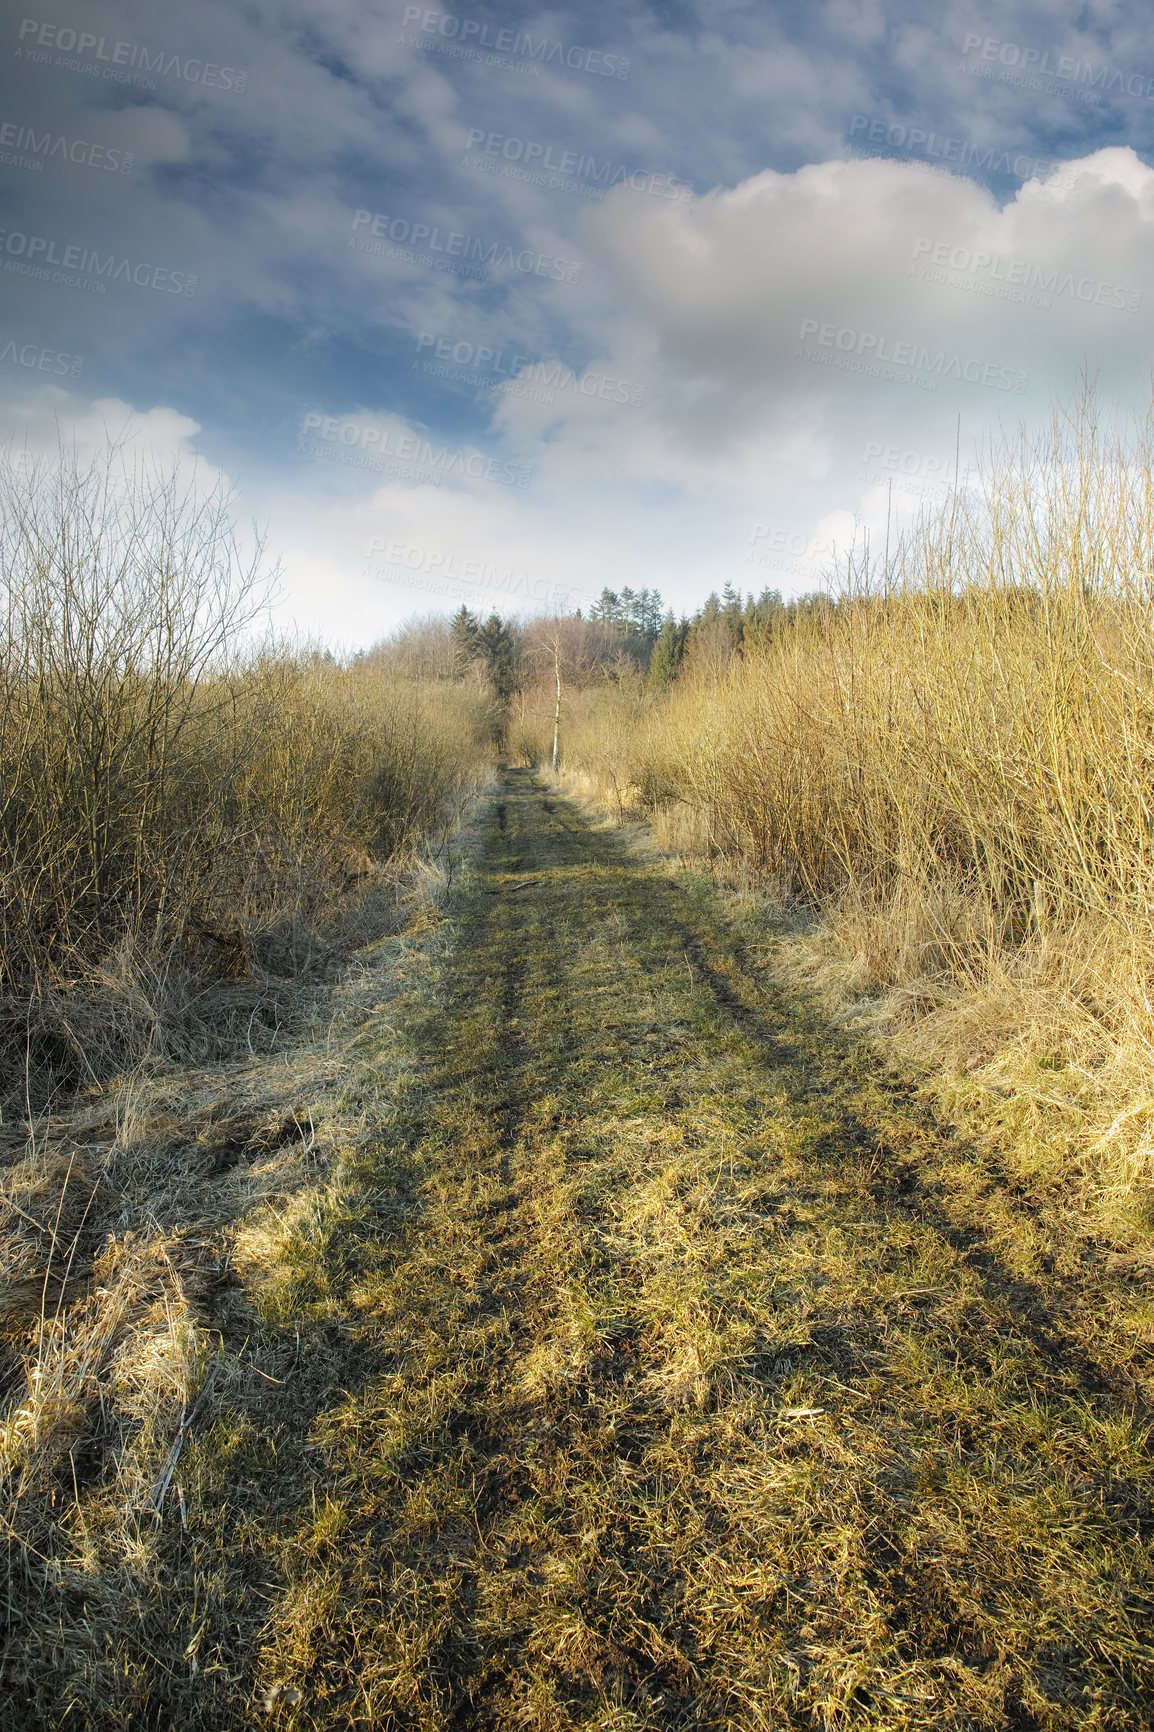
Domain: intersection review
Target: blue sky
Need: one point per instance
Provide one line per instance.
(503, 304)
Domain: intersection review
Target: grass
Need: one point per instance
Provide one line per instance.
(643, 1355)
(183, 804)
(951, 767)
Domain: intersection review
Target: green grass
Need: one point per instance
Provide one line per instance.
(654, 1361)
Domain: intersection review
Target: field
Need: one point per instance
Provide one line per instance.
(663, 1243)
(646, 1357)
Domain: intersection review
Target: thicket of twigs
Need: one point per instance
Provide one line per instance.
(197, 827)
(181, 801)
(954, 762)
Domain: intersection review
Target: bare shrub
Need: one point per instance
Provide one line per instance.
(955, 763)
(180, 800)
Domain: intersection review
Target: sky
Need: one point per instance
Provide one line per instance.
(505, 304)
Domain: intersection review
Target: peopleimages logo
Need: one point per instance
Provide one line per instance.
(906, 363)
(466, 363)
(950, 152)
(448, 250)
(445, 28)
(775, 548)
(405, 561)
(541, 164)
(122, 62)
(462, 362)
(42, 360)
(366, 446)
(916, 472)
(992, 269)
(1029, 66)
(84, 267)
(17, 139)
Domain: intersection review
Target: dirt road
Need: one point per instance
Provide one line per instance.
(659, 1364)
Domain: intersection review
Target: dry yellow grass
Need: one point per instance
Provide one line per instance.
(180, 803)
(639, 1356)
(954, 767)
(194, 839)
(127, 1225)
(552, 1319)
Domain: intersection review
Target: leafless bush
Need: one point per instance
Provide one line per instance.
(955, 764)
(179, 802)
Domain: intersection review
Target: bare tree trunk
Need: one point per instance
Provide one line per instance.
(557, 711)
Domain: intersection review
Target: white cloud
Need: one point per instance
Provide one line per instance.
(700, 303)
(852, 253)
(40, 418)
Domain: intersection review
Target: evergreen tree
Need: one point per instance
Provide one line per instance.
(498, 650)
(606, 610)
(762, 617)
(462, 642)
(634, 611)
(648, 612)
(668, 651)
(732, 615)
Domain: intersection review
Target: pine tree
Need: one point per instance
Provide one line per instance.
(607, 608)
(499, 652)
(763, 616)
(648, 612)
(462, 642)
(668, 651)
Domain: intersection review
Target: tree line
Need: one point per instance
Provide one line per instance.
(626, 635)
